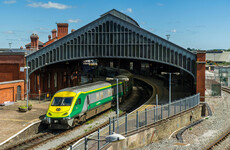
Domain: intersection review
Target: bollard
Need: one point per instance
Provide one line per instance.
(137, 121)
(180, 105)
(126, 123)
(154, 113)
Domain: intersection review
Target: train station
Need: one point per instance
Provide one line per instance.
(108, 78)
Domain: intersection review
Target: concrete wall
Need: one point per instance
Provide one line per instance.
(157, 131)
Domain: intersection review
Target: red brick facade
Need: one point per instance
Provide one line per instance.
(52, 79)
(10, 67)
(11, 91)
(200, 75)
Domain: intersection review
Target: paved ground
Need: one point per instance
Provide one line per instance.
(12, 121)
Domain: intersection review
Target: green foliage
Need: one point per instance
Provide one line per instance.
(22, 107)
(190, 128)
(89, 122)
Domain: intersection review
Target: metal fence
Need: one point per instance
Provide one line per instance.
(135, 120)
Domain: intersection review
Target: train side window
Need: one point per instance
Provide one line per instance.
(79, 101)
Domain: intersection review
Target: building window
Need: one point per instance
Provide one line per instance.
(55, 79)
(49, 80)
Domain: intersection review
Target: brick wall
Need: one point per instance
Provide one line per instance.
(9, 90)
(200, 75)
(10, 67)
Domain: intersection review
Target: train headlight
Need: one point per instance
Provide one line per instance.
(50, 114)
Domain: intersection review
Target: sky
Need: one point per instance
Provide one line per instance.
(199, 24)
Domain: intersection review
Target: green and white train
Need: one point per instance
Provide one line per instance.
(71, 106)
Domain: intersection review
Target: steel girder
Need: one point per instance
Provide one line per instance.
(112, 37)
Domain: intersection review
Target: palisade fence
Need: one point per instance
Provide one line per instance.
(40, 97)
(134, 120)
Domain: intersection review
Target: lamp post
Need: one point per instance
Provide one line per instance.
(117, 106)
(27, 87)
(117, 80)
(170, 91)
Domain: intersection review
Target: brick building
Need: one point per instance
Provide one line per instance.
(55, 76)
(11, 74)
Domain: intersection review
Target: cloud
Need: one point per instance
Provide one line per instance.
(174, 30)
(160, 4)
(130, 10)
(9, 1)
(9, 32)
(74, 20)
(49, 5)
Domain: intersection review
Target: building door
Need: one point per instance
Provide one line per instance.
(19, 92)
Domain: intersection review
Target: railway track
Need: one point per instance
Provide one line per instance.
(215, 143)
(49, 135)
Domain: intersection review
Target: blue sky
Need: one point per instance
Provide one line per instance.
(200, 24)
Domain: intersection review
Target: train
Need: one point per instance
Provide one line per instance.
(72, 106)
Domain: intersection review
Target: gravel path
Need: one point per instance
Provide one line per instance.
(200, 135)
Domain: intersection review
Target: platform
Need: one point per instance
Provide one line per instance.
(12, 121)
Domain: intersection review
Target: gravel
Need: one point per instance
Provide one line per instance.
(200, 135)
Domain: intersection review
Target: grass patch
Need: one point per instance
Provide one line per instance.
(86, 130)
(89, 122)
(190, 128)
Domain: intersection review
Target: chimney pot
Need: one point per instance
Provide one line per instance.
(54, 33)
(49, 37)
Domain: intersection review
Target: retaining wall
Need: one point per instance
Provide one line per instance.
(157, 131)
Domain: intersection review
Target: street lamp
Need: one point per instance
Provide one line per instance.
(169, 73)
(117, 79)
(110, 138)
(27, 86)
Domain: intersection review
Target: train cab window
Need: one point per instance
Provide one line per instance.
(62, 101)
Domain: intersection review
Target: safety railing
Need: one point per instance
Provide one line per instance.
(135, 120)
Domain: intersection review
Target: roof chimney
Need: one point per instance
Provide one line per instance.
(49, 37)
(54, 33)
(62, 29)
(34, 41)
(21, 47)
